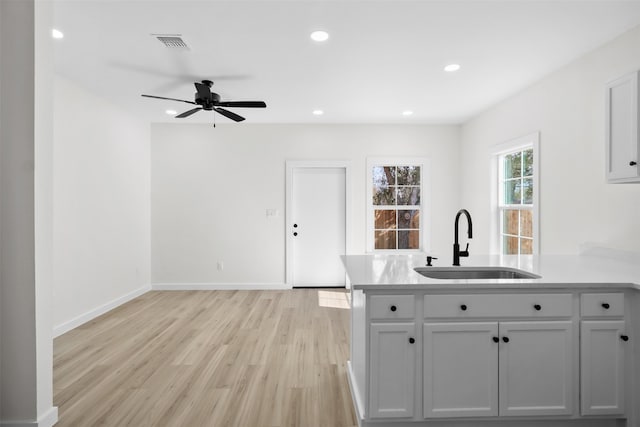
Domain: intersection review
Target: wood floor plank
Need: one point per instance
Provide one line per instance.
(209, 358)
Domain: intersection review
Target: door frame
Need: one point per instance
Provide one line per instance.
(308, 164)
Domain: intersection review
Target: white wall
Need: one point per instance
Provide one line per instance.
(26, 392)
(567, 107)
(101, 205)
(210, 189)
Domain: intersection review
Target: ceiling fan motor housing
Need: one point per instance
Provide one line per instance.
(208, 103)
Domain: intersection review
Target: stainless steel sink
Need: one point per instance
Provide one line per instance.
(464, 273)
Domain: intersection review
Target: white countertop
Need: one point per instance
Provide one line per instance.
(384, 272)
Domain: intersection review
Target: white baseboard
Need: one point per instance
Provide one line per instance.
(48, 419)
(220, 286)
(92, 314)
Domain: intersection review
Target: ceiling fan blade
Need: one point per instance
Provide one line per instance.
(169, 99)
(188, 113)
(243, 104)
(228, 114)
(203, 91)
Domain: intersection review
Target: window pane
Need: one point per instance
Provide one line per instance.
(409, 196)
(528, 162)
(509, 245)
(526, 223)
(512, 192)
(384, 175)
(385, 239)
(510, 221)
(384, 196)
(408, 239)
(409, 219)
(527, 185)
(408, 175)
(526, 246)
(385, 219)
(512, 165)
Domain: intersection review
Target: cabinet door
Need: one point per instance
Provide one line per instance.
(536, 361)
(460, 369)
(622, 128)
(602, 367)
(392, 370)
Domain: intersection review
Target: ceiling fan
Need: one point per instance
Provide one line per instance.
(210, 101)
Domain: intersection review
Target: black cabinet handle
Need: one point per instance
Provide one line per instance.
(295, 233)
(538, 307)
(605, 305)
(505, 339)
(463, 307)
(295, 225)
(624, 338)
(393, 308)
(496, 339)
(412, 340)
(632, 163)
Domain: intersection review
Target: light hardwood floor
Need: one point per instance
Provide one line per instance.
(209, 358)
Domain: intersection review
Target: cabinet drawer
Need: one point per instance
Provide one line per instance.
(602, 305)
(391, 306)
(498, 305)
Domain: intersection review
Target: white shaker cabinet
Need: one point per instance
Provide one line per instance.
(460, 369)
(392, 369)
(622, 138)
(498, 368)
(536, 362)
(603, 344)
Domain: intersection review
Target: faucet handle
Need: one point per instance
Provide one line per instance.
(429, 259)
(465, 252)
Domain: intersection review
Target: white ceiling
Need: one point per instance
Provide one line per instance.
(382, 58)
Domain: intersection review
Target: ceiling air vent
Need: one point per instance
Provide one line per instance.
(172, 41)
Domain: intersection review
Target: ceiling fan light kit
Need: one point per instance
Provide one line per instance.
(210, 101)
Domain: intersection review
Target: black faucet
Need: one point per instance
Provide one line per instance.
(457, 253)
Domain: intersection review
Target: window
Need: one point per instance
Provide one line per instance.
(396, 205)
(517, 197)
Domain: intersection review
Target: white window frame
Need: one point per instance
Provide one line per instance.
(531, 141)
(425, 201)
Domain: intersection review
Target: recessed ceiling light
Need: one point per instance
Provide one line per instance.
(319, 36)
(452, 67)
(171, 112)
(407, 113)
(318, 112)
(56, 34)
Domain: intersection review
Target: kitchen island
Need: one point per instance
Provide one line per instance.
(559, 350)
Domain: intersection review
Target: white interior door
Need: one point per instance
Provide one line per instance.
(317, 226)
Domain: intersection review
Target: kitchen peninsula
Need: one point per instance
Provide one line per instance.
(558, 350)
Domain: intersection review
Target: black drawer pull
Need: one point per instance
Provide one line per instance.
(538, 307)
(624, 338)
(412, 340)
(605, 305)
(393, 308)
(496, 339)
(505, 339)
(463, 307)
